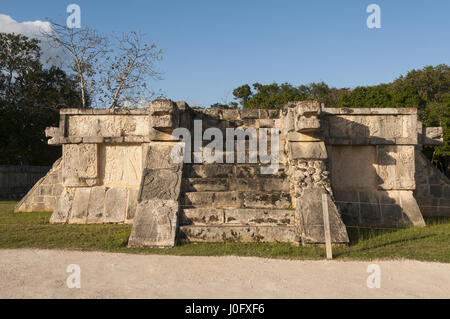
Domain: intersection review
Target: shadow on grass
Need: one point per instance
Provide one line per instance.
(356, 235)
(382, 245)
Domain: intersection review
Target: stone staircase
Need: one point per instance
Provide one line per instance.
(235, 202)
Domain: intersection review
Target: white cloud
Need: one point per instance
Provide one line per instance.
(28, 28)
(31, 29)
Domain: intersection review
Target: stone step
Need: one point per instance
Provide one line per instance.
(274, 184)
(208, 234)
(238, 216)
(235, 199)
(211, 156)
(217, 170)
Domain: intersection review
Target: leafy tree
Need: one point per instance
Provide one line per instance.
(368, 96)
(18, 56)
(223, 106)
(427, 89)
(275, 96)
(30, 99)
(243, 94)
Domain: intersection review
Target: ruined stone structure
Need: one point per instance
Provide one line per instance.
(118, 167)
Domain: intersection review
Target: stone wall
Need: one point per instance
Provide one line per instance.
(102, 164)
(309, 173)
(16, 181)
(45, 193)
(372, 165)
(432, 188)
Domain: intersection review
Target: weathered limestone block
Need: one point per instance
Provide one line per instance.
(253, 234)
(395, 167)
(230, 115)
(376, 208)
(343, 126)
(202, 216)
(63, 207)
(386, 127)
(301, 116)
(94, 125)
(156, 219)
(164, 115)
(120, 165)
(259, 216)
(56, 135)
(310, 216)
(49, 203)
(309, 176)
(162, 122)
(249, 114)
(353, 167)
(80, 165)
(307, 124)
(162, 176)
(115, 205)
(159, 156)
(371, 128)
(308, 107)
(96, 208)
(80, 203)
(267, 123)
(160, 183)
(409, 130)
(307, 150)
(132, 204)
(430, 135)
(433, 187)
(262, 200)
(411, 215)
(303, 137)
(155, 224)
(287, 120)
(45, 193)
(184, 111)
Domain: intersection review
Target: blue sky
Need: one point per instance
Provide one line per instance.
(211, 47)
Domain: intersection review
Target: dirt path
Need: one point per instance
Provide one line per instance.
(42, 274)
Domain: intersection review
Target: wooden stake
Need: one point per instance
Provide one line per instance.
(326, 226)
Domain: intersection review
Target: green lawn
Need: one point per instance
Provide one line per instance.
(32, 230)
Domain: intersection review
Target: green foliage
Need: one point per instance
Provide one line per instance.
(431, 87)
(368, 96)
(232, 105)
(275, 96)
(30, 99)
(427, 89)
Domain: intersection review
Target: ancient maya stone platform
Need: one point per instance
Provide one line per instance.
(116, 168)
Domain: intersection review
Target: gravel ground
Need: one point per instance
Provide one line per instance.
(29, 273)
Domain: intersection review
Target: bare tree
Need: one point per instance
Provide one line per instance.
(85, 47)
(112, 76)
(128, 69)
